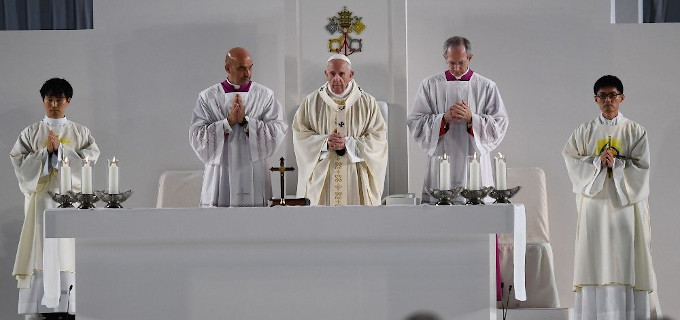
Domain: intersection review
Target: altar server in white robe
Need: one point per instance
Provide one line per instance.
(608, 163)
(46, 281)
(340, 141)
(236, 126)
(457, 112)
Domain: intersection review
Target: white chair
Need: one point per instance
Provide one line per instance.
(540, 275)
(179, 189)
(384, 110)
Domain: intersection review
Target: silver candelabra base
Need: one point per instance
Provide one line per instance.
(476, 197)
(113, 201)
(503, 196)
(86, 200)
(444, 197)
(65, 200)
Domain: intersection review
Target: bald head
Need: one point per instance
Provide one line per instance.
(239, 65)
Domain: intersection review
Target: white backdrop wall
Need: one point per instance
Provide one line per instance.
(137, 74)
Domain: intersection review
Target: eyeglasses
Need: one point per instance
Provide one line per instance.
(604, 96)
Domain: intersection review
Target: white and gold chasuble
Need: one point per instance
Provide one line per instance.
(326, 178)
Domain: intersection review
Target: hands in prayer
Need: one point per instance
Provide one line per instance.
(458, 111)
(336, 141)
(238, 112)
(52, 142)
(607, 158)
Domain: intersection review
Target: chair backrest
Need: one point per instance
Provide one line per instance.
(179, 189)
(534, 196)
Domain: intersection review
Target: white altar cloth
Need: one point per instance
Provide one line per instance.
(262, 241)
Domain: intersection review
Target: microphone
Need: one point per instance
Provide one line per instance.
(507, 302)
(68, 301)
(503, 312)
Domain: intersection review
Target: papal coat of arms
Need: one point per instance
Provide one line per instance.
(345, 24)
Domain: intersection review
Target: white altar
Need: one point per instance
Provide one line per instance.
(360, 263)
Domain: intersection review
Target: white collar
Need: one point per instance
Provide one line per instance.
(462, 75)
(55, 122)
(236, 86)
(602, 120)
(343, 95)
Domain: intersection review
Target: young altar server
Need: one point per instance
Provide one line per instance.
(45, 268)
(608, 163)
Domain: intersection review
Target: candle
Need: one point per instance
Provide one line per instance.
(444, 173)
(113, 176)
(86, 177)
(501, 173)
(474, 182)
(65, 177)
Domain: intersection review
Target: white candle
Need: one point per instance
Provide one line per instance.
(65, 177)
(113, 176)
(444, 174)
(86, 177)
(501, 173)
(474, 182)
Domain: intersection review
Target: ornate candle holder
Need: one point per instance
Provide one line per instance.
(113, 201)
(86, 201)
(476, 197)
(444, 197)
(502, 196)
(64, 200)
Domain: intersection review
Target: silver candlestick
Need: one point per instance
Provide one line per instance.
(113, 201)
(476, 197)
(65, 200)
(86, 201)
(444, 197)
(502, 196)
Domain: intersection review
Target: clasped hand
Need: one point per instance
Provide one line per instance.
(336, 141)
(458, 111)
(237, 113)
(607, 158)
(52, 142)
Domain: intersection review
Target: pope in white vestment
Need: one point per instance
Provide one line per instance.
(47, 282)
(608, 162)
(236, 126)
(340, 142)
(458, 113)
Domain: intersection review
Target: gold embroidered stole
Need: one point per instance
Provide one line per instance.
(339, 177)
